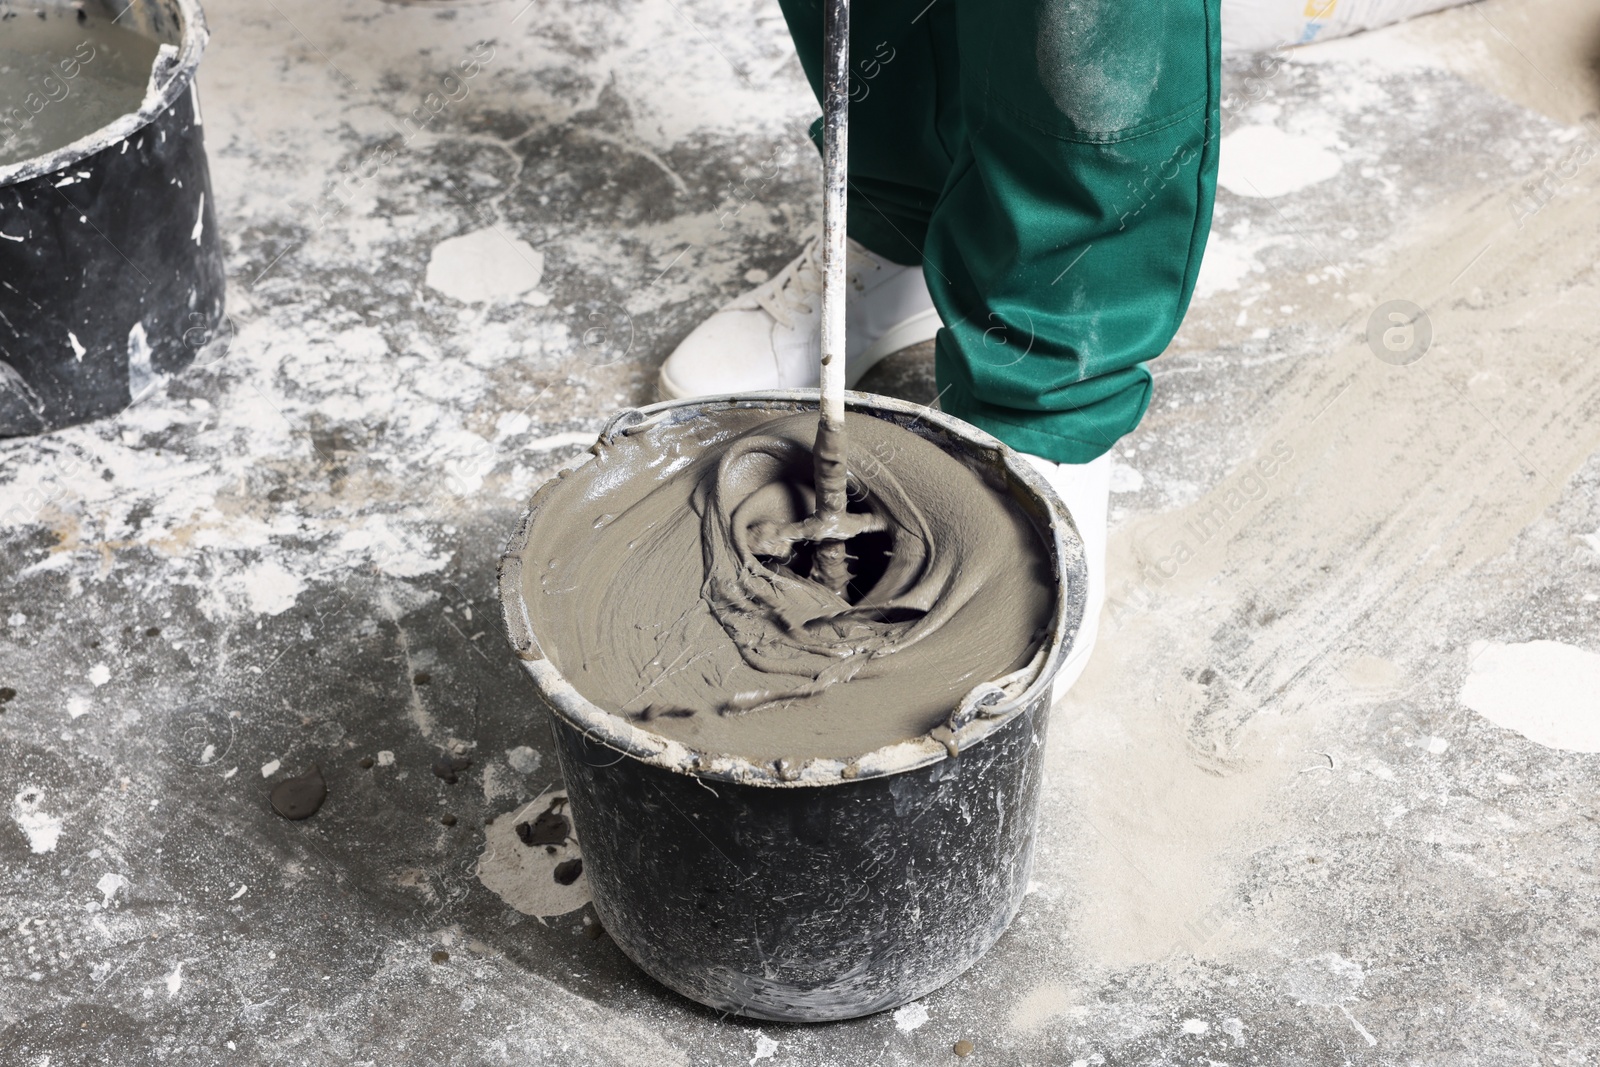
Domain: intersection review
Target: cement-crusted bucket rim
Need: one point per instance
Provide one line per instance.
(175, 78)
(984, 710)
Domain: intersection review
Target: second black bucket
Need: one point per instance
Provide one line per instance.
(109, 247)
(836, 888)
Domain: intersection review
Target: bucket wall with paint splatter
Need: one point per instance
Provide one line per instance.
(111, 273)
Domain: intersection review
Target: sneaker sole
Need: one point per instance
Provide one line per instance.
(912, 331)
(667, 389)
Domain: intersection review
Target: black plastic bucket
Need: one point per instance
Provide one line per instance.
(835, 888)
(109, 252)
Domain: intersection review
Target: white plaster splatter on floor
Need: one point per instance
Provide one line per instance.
(524, 876)
(484, 265)
(174, 980)
(910, 1016)
(99, 675)
(1233, 256)
(43, 830)
(523, 759)
(110, 886)
(1546, 691)
(78, 707)
(1195, 1027)
(270, 768)
(1266, 162)
(766, 1048)
(268, 587)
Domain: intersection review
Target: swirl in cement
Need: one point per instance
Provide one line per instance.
(667, 580)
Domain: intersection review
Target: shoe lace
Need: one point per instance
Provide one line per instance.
(795, 287)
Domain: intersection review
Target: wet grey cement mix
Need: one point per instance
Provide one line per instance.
(656, 583)
(1427, 879)
(64, 74)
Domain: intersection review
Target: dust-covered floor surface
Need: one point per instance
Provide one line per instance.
(1327, 793)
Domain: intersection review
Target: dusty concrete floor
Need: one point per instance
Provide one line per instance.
(1275, 830)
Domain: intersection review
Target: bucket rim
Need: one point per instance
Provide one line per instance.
(984, 710)
(169, 82)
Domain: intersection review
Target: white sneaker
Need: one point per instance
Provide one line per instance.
(1086, 490)
(771, 337)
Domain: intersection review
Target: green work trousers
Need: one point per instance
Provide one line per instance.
(1052, 166)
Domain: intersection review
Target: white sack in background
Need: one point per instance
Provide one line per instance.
(1258, 25)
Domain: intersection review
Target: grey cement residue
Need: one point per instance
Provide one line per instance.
(302, 797)
(549, 828)
(448, 767)
(531, 859)
(659, 583)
